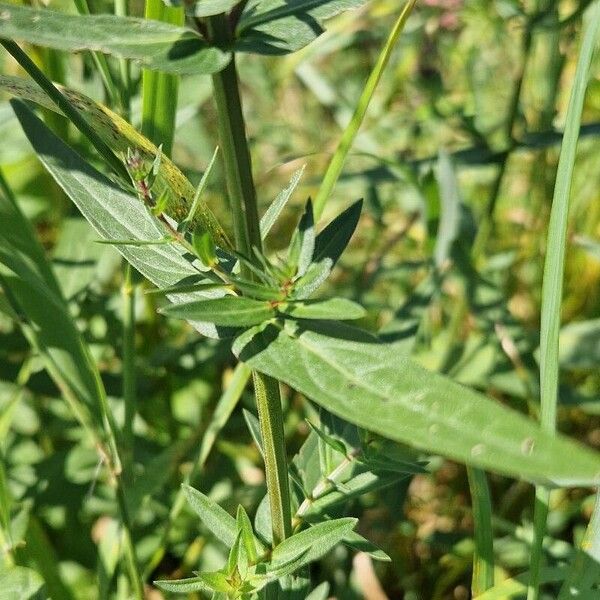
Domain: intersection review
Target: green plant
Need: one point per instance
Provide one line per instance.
(378, 408)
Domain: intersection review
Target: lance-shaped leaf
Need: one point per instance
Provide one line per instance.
(229, 311)
(113, 213)
(155, 45)
(309, 545)
(282, 26)
(170, 185)
(376, 387)
(329, 245)
(218, 521)
(333, 308)
(183, 586)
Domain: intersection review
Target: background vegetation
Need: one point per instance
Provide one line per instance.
(463, 120)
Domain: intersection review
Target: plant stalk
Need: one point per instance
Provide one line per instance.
(242, 195)
(129, 376)
(236, 155)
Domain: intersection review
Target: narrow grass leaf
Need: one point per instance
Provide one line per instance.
(552, 285)
(336, 164)
(160, 90)
(374, 386)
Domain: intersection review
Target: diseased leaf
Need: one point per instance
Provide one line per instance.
(170, 184)
(115, 214)
(229, 311)
(154, 45)
(376, 387)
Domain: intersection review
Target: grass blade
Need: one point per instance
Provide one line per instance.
(160, 90)
(336, 165)
(553, 280)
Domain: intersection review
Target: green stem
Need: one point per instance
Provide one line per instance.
(236, 155)
(336, 165)
(124, 70)
(101, 62)
(240, 186)
(129, 377)
(483, 559)
(66, 107)
(270, 416)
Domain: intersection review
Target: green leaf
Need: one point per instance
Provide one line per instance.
(256, 290)
(580, 345)
(154, 45)
(309, 545)
(113, 213)
(229, 311)
(333, 308)
(329, 245)
(208, 8)
(35, 296)
(375, 387)
(274, 210)
(282, 26)
(515, 587)
(20, 583)
(302, 245)
(321, 592)
(254, 428)
(336, 445)
(205, 247)
(182, 586)
(160, 90)
(218, 521)
(247, 535)
(361, 544)
(449, 226)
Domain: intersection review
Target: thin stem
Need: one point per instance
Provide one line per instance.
(270, 416)
(129, 376)
(483, 559)
(336, 164)
(101, 62)
(124, 69)
(240, 186)
(236, 155)
(66, 107)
